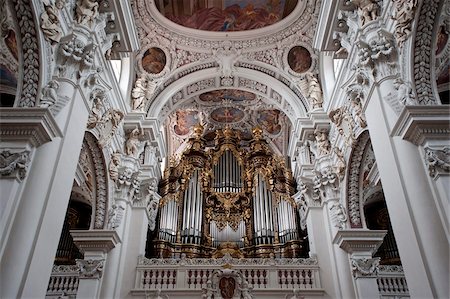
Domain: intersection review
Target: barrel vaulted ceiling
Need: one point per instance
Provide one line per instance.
(200, 61)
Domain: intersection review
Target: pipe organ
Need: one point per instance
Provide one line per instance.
(229, 196)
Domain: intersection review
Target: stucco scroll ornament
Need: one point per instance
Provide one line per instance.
(49, 96)
(296, 294)
(365, 266)
(226, 57)
(143, 90)
(405, 92)
(91, 268)
(404, 14)
(86, 11)
(437, 160)
(50, 25)
(11, 163)
(115, 216)
(367, 10)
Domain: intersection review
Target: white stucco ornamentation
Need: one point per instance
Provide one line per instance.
(91, 268)
(49, 96)
(30, 64)
(50, 25)
(364, 266)
(86, 11)
(437, 160)
(423, 49)
(12, 163)
(114, 164)
(134, 146)
(367, 10)
(115, 216)
(339, 215)
(322, 143)
(403, 15)
(405, 93)
(143, 91)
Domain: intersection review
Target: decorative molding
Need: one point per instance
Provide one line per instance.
(14, 164)
(359, 241)
(35, 126)
(101, 180)
(95, 240)
(423, 52)
(30, 53)
(404, 14)
(353, 184)
(418, 124)
(364, 267)
(91, 268)
(227, 259)
(437, 161)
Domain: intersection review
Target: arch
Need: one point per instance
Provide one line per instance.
(284, 98)
(423, 51)
(29, 43)
(355, 167)
(100, 198)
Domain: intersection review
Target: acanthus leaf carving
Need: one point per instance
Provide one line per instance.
(365, 266)
(403, 15)
(437, 160)
(12, 163)
(91, 268)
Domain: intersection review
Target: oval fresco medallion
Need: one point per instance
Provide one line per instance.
(227, 94)
(227, 115)
(269, 121)
(299, 59)
(154, 60)
(185, 120)
(226, 15)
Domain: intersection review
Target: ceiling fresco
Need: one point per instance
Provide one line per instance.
(240, 110)
(225, 15)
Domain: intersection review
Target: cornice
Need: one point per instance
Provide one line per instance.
(95, 240)
(31, 125)
(359, 241)
(419, 123)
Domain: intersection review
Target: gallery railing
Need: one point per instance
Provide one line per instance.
(261, 274)
(63, 282)
(392, 282)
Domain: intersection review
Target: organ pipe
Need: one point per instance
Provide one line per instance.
(206, 196)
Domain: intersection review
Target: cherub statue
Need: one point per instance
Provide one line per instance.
(49, 96)
(50, 25)
(86, 12)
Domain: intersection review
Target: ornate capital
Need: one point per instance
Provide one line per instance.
(364, 267)
(14, 164)
(91, 268)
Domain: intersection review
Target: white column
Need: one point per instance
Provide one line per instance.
(419, 231)
(361, 244)
(29, 250)
(95, 245)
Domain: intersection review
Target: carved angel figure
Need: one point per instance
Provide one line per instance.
(49, 96)
(96, 116)
(114, 166)
(245, 291)
(367, 10)
(86, 12)
(405, 93)
(133, 143)
(142, 91)
(314, 91)
(322, 142)
(50, 25)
